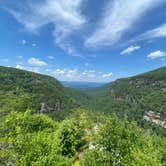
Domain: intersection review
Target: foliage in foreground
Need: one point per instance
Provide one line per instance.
(86, 139)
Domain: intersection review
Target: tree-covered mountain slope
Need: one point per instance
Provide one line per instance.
(148, 90)
(134, 96)
(83, 137)
(21, 90)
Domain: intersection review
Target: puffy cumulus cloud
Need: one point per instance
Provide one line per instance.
(64, 15)
(32, 69)
(64, 74)
(130, 49)
(156, 54)
(119, 16)
(70, 74)
(59, 71)
(107, 75)
(89, 75)
(18, 66)
(36, 62)
(75, 75)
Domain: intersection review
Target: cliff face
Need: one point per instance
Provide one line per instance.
(155, 118)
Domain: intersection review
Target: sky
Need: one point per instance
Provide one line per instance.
(81, 40)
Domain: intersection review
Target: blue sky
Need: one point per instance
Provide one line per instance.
(83, 40)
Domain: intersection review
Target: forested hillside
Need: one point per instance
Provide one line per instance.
(43, 123)
(23, 90)
(134, 97)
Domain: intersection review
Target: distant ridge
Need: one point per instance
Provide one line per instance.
(82, 85)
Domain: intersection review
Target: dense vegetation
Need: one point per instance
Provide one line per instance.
(134, 96)
(23, 90)
(42, 122)
(147, 90)
(82, 139)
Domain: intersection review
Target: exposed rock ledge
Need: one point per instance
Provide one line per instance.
(155, 118)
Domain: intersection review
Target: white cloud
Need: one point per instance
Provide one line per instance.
(156, 54)
(34, 44)
(108, 75)
(50, 57)
(75, 75)
(65, 74)
(119, 16)
(36, 62)
(88, 75)
(129, 50)
(32, 69)
(18, 66)
(64, 15)
(59, 71)
(154, 33)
